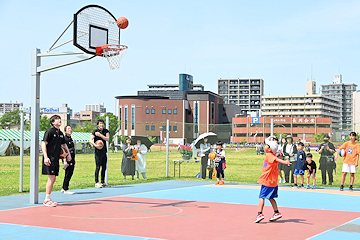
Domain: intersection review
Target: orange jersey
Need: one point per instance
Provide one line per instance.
(352, 150)
(269, 175)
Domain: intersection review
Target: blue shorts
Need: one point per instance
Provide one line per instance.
(299, 172)
(268, 192)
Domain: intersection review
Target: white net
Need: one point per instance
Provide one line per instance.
(114, 54)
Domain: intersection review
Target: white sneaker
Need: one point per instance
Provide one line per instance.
(98, 185)
(105, 185)
(67, 191)
(280, 181)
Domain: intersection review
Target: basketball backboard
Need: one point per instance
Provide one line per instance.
(94, 26)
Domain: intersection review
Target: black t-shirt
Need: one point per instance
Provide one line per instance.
(104, 149)
(326, 152)
(70, 144)
(312, 166)
(55, 138)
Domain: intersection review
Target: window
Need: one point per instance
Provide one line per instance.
(212, 110)
(120, 116)
(169, 128)
(152, 111)
(175, 128)
(147, 111)
(147, 127)
(175, 111)
(126, 117)
(132, 117)
(164, 111)
(152, 128)
(169, 111)
(164, 128)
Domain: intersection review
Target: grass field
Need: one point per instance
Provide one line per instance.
(242, 167)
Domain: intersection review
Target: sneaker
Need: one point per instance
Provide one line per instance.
(98, 185)
(105, 185)
(275, 217)
(259, 218)
(313, 187)
(351, 188)
(308, 186)
(280, 180)
(222, 183)
(50, 203)
(294, 186)
(217, 183)
(341, 188)
(67, 191)
(330, 183)
(284, 181)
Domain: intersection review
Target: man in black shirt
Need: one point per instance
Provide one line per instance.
(69, 170)
(51, 146)
(100, 151)
(327, 163)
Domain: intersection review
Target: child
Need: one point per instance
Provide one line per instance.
(219, 163)
(299, 170)
(351, 160)
(310, 167)
(268, 181)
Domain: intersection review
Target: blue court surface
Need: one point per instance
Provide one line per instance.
(338, 212)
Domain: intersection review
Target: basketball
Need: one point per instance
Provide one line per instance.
(100, 143)
(279, 154)
(212, 156)
(122, 22)
(63, 153)
(342, 153)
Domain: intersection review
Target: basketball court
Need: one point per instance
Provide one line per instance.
(182, 210)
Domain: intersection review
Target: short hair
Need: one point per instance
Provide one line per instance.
(53, 118)
(353, 134)
(326, 136)
(99, 121)
(301, 144)
(66, 127)
(219, 143)
(309, 155)
(276, 139)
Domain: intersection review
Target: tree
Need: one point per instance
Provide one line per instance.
(152, 139)
(283, 135)
(113, 125)
(44, 123)
(243, 141)
(88, 127)
(10, 118)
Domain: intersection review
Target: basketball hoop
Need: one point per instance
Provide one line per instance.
(113, 53)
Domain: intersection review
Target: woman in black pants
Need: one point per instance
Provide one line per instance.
(69, 169)
(290, 151)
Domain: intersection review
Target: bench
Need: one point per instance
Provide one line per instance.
(180, 161)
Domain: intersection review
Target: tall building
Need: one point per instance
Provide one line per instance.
(245, 93)
(96, 107)
(9, 107)
(342, 92)
(356, 111)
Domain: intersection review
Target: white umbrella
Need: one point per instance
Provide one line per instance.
(212, 138)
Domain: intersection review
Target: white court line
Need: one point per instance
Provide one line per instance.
(333, 228)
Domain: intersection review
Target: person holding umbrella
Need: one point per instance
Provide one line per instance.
(127, 165)
(204, 151)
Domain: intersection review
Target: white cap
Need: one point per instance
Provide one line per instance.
(272, 144)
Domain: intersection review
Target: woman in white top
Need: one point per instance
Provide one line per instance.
(140, 164)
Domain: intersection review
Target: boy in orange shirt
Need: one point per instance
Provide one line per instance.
(351, 160)
(268, 181)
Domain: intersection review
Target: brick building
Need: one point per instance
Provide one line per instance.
(258, 129)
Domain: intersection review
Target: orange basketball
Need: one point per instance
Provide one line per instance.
(212, 156)
(63, 153)
(122, 22)
(100, 143)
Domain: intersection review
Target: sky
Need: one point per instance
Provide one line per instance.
(284, 42)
